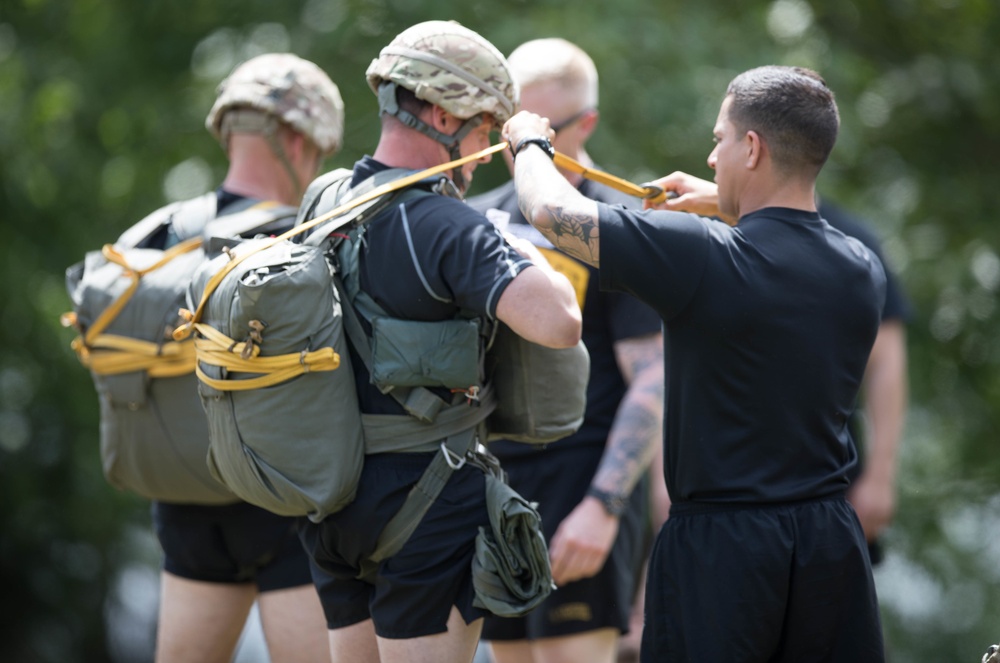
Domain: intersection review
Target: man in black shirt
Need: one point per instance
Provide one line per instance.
(442, 90)
(769, 324)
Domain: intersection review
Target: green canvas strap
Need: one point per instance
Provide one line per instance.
(451, 456)
(400, 433)
(340, 177)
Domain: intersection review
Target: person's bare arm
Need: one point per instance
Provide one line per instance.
(885, 397)
(581, 544)
(638, 425)
(562, 214)
(540, 304)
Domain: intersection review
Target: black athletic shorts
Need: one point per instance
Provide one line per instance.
(558, 480)
(782, 583)
(414, 590)
(233, 543)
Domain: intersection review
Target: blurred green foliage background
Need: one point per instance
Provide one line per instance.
(102, 104)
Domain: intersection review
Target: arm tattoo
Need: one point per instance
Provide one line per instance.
(575, 233)
(561, 213)
(638, 426)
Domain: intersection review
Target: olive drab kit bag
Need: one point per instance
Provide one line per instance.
(153, 432)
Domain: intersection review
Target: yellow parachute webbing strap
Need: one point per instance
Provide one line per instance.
(217, 349)
(651, 192)
(109, 354)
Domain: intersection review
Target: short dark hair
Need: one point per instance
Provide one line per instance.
(409, 101)
(792, 109)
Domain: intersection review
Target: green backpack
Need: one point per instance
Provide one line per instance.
(154, 434)
(274, 371)
(273, 319)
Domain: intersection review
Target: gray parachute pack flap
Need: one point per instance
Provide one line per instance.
(541, 392)
(295, 448)
(153, 433)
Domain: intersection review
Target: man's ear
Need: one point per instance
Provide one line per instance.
(754, 149)
(588, 123)
(443, 121)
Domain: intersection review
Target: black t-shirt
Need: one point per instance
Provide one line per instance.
(608, 317)
(768, 329)
(897, 306)
(426, 259)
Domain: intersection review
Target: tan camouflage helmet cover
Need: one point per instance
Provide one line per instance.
(284, 85)
(450, 66)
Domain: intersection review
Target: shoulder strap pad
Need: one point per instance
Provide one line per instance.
(188, 217)
(192, 217)
(341, 177)
(235, 223)
(331, 197)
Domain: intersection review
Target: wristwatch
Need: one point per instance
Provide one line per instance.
(615, 505)
(540, 141)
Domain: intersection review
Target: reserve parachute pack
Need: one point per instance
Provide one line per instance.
(126, 297)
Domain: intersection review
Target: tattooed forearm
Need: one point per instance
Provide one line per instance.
(560, 212)
(638, 426)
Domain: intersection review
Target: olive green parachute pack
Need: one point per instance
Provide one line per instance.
(273, 319)
(275, 379)
(126, 297)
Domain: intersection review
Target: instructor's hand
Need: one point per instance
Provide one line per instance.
(582, 542)
(693, 194)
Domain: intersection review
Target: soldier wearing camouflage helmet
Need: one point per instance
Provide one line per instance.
(445, 64)
(278, 93)
(277, 116)
(428, 257)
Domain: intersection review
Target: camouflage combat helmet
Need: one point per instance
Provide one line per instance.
(283, 86)
(450, 66)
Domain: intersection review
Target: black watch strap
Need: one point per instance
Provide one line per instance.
(615, 505)
(540, 141)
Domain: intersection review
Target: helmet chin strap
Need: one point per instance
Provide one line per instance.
(388, 104)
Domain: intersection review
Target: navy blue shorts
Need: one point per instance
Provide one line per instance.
(778, 583)
(413, 590)
(233, 543)
(558, 479)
